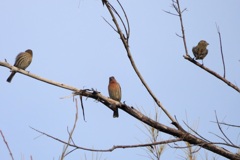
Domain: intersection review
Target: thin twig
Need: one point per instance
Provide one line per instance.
(113, 147)
(220, 128)
(196, 132)
(176, 6)
(174, 14)
(219, 137)
(227, 124)
(6, 143)
(115, 11)
(128, 24)
(220, 41)
(71, 133)
(109, 24)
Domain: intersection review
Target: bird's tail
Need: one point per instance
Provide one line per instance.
(115, 113)
(10, 77)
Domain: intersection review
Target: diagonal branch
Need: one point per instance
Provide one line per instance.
(196, 132)
(27, 73)
(212, 72)
(128, 24)
(127, 31)
(220, 128)
(126, 45)
(188, 137)
(177, 8)
(6, 143)
(227, 124)
(185, 136)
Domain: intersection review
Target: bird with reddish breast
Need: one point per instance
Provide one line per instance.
(23, 60)
(114, 90)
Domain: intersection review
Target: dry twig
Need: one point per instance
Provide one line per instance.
(220, 41)
(6, 143)
(64, 153)
(113, 147)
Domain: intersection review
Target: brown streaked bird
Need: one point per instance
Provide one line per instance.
(114, 90)
(23, 60)
(200, 51)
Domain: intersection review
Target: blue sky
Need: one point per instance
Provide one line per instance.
(72, 44)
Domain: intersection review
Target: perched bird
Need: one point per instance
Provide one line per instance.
(114, 91)
(22, 61)
(200, 51)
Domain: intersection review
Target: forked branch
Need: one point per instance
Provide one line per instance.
(125, 42)
(176, 6)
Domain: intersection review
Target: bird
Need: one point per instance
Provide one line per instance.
(200, 51)
(114, 91)
(22, 61)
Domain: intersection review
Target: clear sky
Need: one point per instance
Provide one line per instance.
(72, 44)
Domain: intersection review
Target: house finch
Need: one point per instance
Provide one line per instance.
(22, 61)
(200, 51)
(114, 91)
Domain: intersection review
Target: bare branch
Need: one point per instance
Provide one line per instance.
(185, 9)
(71, 133)
(227, 124)
(220, 41)
(196, 132)
(220, 128)
(115, 11)
(114, 147)
(179, 132)
(210, 143)
(178, 10)
(6, 143)
(225, 144)
(138, 115)
(126, 45)
(212, 72)
(219, 137)
(27, 73)
(128, 24)
(110, 24)
(178, 35)
(174, 14)
(176, 6)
